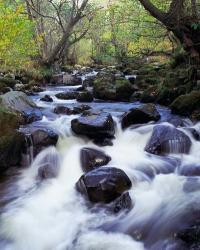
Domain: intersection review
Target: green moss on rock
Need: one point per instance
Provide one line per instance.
(186, 104)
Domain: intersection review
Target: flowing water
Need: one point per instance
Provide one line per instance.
(51, 215)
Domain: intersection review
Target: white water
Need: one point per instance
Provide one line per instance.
(53, 216)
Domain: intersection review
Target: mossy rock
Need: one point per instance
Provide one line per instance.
(104, 88)
(3, 88)
(186, 104)
(9, 121)
(11, 148)
(149, 95)
(8, 82)
(124, 89)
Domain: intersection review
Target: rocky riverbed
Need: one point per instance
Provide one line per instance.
(85, 168)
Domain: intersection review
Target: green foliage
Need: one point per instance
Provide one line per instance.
(16, 31)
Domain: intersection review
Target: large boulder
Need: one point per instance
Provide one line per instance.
(124, 89)
(37, 139)
(70, 95)
(62, 110)
(103, 184)
(168, 139)
(186, 104)
(43, 138)
(92, 158)
(66, 79)
(94, 126)
(104, 88)
(84, 97)
(142, 114)
(11, 149)
(11, 142)
(19, 102)
(108, 87)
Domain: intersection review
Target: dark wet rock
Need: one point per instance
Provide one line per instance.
(70, 95)
(167, 139)
(84, 97)
(92, 158)
(102, 142)
(189, 169)
(191, 236)
(81, 108)
(140, 115)
(63, 110)
(103, 184)
(11, 148)
(122, 204)
(50, 166)
(194, 133)
(80, 89)
(46, 98)
(19, 102)
(43, 138)
(94, 126)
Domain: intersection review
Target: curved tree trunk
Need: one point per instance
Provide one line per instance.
(180, 23)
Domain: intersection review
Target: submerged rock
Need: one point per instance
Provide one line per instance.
(142, 114)
(168, 139)
(63, 110)
(50, 165)
(103, 184)
(84, 97)
(70, 95)
(95, 126)
(46, 98)
(189, 169)
(122, 204)
(92, 158)
(19, 102)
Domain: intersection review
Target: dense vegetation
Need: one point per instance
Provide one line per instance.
(85, 32)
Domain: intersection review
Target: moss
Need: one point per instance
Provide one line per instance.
(8, 82)
(11, 147)
(186, 104)
(8, 121)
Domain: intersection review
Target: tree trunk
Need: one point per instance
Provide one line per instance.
(177, 21)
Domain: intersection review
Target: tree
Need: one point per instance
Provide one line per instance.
(57, 23)
(16, 31)
(182, 18)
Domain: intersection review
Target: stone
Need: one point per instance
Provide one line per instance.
(92, 158)
(94, 126)
(84, 97)
(168, 139)
(70, 95)
(46, 98)
(103, 184)
(19, 102)
(142, 114)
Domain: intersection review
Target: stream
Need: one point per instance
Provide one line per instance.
(52, 215)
